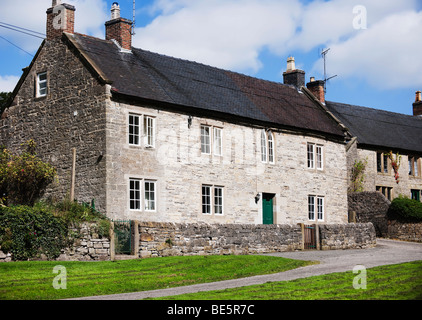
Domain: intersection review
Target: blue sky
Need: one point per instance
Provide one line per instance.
(375, 46)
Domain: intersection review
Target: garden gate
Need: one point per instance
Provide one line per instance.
(309, 237)
(123, 237)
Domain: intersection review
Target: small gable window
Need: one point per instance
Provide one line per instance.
(41, 86)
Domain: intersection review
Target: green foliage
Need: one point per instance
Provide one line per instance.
(358, 175)
(403, 208)
(28, 232)
(24, 178)
(4, 96)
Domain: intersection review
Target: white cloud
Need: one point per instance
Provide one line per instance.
(89, 19)
(8, 83)
(387, 55)
(224, 33)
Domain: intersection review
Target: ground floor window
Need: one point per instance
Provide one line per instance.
(149, 198)
(416, 194)
(386, 191)
(316, 208)
(212, 200)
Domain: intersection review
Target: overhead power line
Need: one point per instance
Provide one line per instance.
(16, 46)
(28, 32)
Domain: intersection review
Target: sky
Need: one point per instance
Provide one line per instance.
(375, 45)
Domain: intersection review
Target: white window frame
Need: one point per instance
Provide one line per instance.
(218, 200)
(267, 147)
(311, 208)
(149, 132)
(205, 139)
(320, 208)
(206, 200)
(218, 141)
(271, 149)
(264, 151)
(135, 189)
(150, 205)
(311, 155)
(42, 85)
(136, 136)
(319, 157)
(316, 208)
(212, 200)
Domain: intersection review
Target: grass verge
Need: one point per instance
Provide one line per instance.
(392, 282)
(34, 280)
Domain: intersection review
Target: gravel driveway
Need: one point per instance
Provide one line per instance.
(386, 252)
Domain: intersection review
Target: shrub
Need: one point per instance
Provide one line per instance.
(24, 178)
(28, 232)
(403, 208)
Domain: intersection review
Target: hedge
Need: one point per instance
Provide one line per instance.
(28, 232)
(406, 209)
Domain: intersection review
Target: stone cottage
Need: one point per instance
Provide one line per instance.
(162, 139)
(382, 138)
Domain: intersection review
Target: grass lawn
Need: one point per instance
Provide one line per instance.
(393, 282)
(34, 280)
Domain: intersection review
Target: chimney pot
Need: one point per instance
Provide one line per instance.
(293, 76)
(417, 105)
(115, 11)
(119, 29)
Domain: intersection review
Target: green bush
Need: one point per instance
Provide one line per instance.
(28, 232)
(24, 178)
(403, 208)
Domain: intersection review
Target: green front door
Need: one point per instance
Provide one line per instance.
(267, 208)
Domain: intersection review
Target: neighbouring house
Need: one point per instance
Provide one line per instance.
(390, 143)
(162, 139)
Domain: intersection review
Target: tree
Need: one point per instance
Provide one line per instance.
(24, 178)
(4, 96)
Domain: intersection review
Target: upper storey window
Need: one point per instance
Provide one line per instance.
(41, 87)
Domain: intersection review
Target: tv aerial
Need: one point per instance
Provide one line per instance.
(134, 18)
(324, 56)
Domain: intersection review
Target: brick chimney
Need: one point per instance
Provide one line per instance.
(317, 89)
(60, 18)
(417, 105)
(293, 76)
(119, 29)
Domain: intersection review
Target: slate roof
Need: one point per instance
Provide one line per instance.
(156, 77)
(380, 129)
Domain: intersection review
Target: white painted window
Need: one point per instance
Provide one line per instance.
(149, 132)
(206, 200)
(212, 200)
(41, 84)
(150, 195)
(270, 147)
(319, 158)
(311, 156)
(218, 141)
(218, 200)
(320, 208)
(263, 146)
(205, 140)
(134, 130)
(135, 194)
(311, 208)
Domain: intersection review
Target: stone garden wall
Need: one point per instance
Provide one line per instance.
(175, 239)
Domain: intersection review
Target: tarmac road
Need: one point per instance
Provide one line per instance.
(386, 252)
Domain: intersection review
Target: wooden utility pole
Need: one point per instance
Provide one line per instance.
(73, 179)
